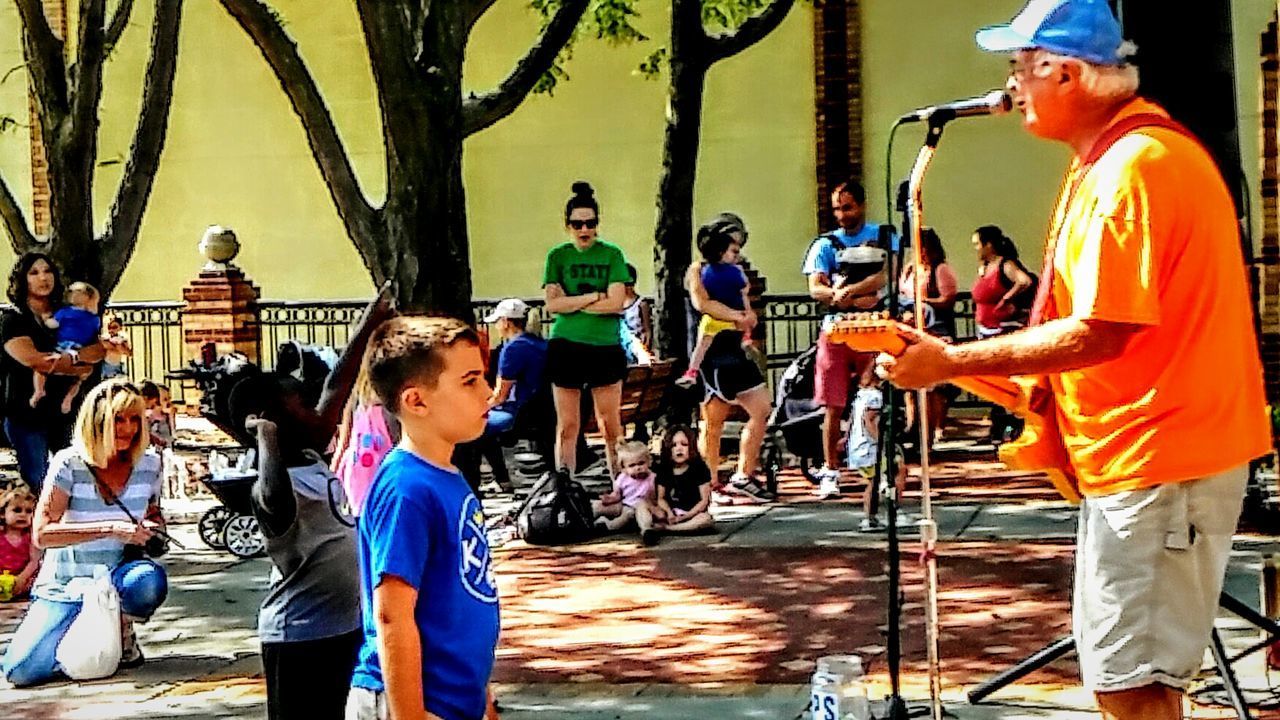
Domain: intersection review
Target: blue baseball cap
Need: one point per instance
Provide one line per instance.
(1083, 29)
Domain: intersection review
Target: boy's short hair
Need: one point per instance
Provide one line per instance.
(632, 449)
(408, 349)
(149, 390)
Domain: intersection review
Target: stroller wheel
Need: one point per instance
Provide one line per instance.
(242, 536)
(211, 524)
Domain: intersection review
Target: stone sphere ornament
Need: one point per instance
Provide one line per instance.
(219, 246)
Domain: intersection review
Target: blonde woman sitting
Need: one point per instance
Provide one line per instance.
(101, 494)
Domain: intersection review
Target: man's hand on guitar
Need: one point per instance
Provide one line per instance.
(925, 361)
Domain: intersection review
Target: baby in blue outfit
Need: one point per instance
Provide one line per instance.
(78, 325)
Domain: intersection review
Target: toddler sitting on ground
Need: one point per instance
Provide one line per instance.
(684, 485)
(633, 494)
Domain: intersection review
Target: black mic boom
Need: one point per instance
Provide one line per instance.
(996, 102)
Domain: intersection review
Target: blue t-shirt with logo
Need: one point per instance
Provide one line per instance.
(422, 524)
(522, 360)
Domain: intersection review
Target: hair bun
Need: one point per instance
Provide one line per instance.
(582, 188)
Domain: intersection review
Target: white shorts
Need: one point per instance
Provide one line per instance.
(1149, 570)
(364, 704)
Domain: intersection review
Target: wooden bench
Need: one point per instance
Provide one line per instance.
(644, 393)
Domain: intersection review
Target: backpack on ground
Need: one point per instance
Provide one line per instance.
(557, 511)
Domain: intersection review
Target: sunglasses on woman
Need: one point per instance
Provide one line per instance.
(588, 224)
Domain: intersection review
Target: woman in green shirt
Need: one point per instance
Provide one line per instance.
(585, 284)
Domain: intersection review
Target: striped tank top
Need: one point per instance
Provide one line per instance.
(70, 473)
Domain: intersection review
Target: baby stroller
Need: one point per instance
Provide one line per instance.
(231, 526)
(795, 424)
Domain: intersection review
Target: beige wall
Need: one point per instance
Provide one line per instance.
(237, 156)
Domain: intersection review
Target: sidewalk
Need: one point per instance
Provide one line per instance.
(719, 626)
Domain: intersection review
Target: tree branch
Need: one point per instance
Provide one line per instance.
(87, 72)
(119, 22)
(44, 57)
(475, 9)
(750, 32)
(282, 55)
(149, 135)
(11, 215)
(479, 112)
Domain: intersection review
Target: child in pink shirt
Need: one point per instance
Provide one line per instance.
(19, 557)
(633, 495)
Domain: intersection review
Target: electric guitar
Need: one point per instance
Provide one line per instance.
(1040, 446)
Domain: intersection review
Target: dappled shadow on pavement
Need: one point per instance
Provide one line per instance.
(616, 613)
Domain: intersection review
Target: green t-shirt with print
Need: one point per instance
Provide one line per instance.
(584, 272)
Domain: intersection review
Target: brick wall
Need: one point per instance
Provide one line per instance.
(1268, 256)
(837, 44)
(56, 11)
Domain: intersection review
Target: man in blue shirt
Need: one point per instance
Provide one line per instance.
(430, 604)
(520, 364)
(837, 364)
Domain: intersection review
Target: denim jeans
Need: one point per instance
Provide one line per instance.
(31, 445)
(30, 660)
(33, 442)
(500, 420)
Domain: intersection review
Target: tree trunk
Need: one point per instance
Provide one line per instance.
(72, 245)
(426, 232)
(673, 237)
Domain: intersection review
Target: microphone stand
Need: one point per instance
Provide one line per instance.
(887, 460)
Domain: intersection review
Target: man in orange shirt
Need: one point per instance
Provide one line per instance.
(1146, 291)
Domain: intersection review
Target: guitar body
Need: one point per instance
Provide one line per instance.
(1040, 447)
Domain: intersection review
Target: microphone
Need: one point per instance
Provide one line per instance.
(996, 102)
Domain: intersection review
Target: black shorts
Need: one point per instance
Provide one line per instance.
(727, 371)
(579, 366)
(309, 679)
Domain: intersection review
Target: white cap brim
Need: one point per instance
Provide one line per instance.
(492, 317)
(1002, 38)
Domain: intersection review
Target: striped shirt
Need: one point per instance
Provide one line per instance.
(70, 473)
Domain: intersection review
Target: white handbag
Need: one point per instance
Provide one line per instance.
(91, 647)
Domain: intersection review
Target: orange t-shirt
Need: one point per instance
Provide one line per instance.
(1150, 238)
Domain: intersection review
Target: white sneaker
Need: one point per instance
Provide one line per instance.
(828, 483)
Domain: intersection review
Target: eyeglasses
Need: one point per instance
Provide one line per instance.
(1022, 71)
(588, 224)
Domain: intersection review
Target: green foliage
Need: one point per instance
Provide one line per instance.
(720, 16)
(608, 20)
(651, 67)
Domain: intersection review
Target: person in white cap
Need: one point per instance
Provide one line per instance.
(1143, 288)
(520, 364)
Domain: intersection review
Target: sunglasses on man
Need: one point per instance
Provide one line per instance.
(588, 224)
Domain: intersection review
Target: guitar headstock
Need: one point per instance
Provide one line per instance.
(868, 332)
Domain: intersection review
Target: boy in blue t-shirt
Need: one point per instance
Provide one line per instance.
(430, 603)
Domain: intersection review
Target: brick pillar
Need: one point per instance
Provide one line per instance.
(1268, 255)
(56, 12)
(837, 46)
(221, 308)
